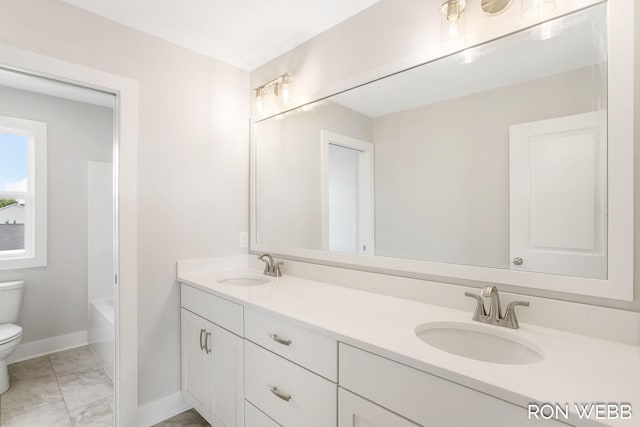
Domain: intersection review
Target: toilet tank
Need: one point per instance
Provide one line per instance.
(10, 301)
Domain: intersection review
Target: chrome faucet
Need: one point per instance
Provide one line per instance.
(495, 317)
(271, 268)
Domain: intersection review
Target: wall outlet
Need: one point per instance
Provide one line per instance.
(244, 240)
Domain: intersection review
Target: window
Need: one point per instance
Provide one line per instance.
(23, 193)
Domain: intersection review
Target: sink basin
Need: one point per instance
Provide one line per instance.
(480, 342)
(244, 280)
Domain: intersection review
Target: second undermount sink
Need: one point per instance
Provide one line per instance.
(479, 342)
(244, 280)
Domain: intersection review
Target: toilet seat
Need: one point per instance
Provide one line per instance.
(9, 332)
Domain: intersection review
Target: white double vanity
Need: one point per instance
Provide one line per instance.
(295, 352)
(509, 163)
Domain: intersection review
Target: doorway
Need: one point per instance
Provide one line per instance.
(347, 194)
(125, 130)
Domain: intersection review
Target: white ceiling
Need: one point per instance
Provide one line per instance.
(244, 33)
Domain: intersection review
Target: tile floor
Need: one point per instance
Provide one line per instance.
(62, 389)
(188, 418)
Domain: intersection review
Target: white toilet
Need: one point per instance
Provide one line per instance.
(10, 333)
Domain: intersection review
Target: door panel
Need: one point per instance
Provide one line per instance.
(197, 367)
(228, 378)
(558, 202)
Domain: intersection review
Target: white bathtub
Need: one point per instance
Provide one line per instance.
(102, 332)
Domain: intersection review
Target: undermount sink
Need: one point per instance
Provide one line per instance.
(479, 342)
(244, 280)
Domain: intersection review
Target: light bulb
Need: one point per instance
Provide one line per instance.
(452, 23)
(453, 31)
(259, 104)
(285, 93)
(536, 9)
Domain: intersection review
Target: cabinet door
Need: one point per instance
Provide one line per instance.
(227, 377)
(197, 365)
(354, 411)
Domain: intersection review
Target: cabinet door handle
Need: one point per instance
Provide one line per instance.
(279, 340)
(201, 345)
(278, 393)
(207, 348)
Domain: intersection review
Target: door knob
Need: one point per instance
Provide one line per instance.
(517, 261)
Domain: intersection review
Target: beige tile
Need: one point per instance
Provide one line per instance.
(82, 388)
(74, 360)
(97, 414)
(32, 368)
(27, 395)
(54, 415)
(188, 418)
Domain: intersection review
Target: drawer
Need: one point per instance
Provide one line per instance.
(354, 411)
(309, 349)
(426, 399)
(217, 310)
(312, 399)
(253, 417)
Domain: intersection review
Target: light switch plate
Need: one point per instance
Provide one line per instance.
(244, 239)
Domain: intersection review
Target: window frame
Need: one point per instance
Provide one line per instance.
(35, 232)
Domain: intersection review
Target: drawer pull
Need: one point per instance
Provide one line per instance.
(280, 340)
(201, 345)
(280, 394)
(207, 347)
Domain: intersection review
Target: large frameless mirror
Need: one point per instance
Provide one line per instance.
(493, 157)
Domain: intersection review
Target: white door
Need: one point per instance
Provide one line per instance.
(344, 169)
(353, 411)
(558, 201)
(347, 194)
(197, 364)
(228, 393)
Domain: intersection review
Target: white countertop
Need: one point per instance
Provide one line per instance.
(576, 368)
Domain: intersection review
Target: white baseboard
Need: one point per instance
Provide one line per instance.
(32, 349)
(159, 410)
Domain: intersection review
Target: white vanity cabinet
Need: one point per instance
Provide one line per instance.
(212, 366)
(277, 371)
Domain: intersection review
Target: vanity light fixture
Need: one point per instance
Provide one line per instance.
(494, 7)
(281, 87)
(452, 24)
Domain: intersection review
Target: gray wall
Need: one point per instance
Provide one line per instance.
(288, 173)
(55, 296)
(193, 155)
(451, 196)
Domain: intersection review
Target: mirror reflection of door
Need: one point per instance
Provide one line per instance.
(558, 195)
(347, 194)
